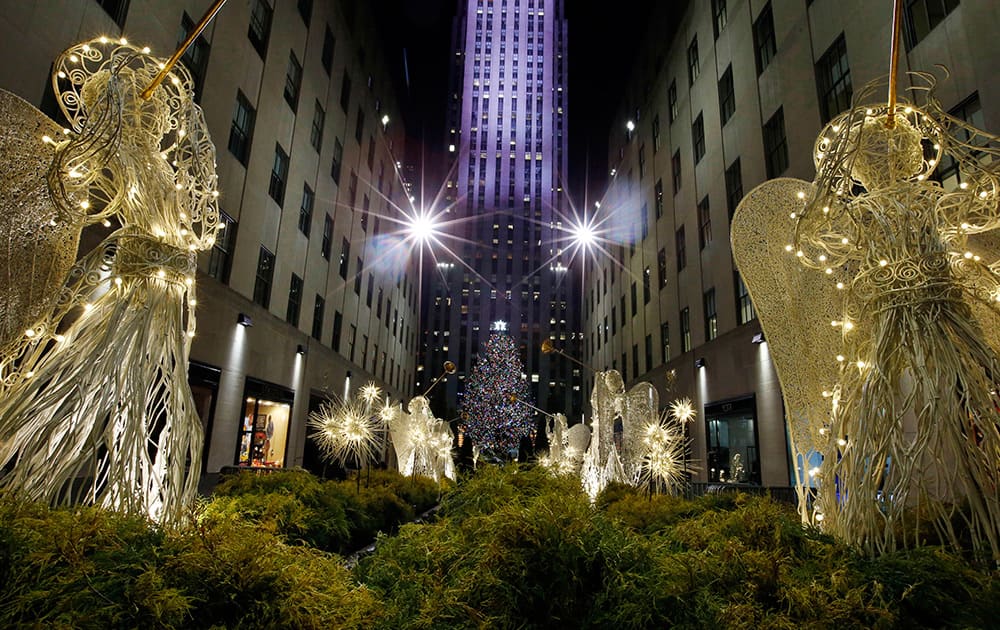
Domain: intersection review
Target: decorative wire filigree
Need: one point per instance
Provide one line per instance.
(96, 407)
(881, 315)
(423, 443)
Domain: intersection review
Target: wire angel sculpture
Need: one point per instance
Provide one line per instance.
(567, 445)
(95, 403)
(423, 443)
(877, 290)
(616, 449)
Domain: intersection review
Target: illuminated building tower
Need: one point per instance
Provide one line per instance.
(506, 140)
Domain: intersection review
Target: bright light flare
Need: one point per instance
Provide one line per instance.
(584, 234)
(422, 228)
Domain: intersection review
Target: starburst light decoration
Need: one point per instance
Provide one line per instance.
(347, 431)
(95, 387)
(877, 290)
(663, 455)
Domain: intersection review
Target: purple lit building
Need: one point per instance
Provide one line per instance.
(507, 150)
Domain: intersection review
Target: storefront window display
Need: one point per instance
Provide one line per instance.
(733, 454)
(264, 427)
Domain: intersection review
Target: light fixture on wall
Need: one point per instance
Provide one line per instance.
(699, 362)
(244, 320)
(300, 349)
(758, 338)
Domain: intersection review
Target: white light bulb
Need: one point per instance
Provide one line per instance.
(840, 357)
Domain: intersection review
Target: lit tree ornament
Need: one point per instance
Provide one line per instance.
(97, 386)
(878, 302)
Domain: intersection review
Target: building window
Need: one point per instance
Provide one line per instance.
(642, 161)
(338, 324)
(734, 186)
(775, 146)
(195, 58)
(765, 45)
(970, 111)
(117, 9)
(685, 329)
(260, 25)
(293, 81)
(665, 341)
(704, 223)
(265, 274)
(681, 247)
(345, 255)
(730, 432)
(923, 15)
(351, 342)
(358, 277)
(694, 67)
(711, 316)
(658, 201)
(727, 96)
(338, 160)
(635, 361)
(319, 306)
(241, 131)
(672, 100)
(698, 138)
(305, 10)
(306, 209)
(833, 80)
(352, 189)
(744, 307)
(661, 268)
(649, 352)
(656, 134)
(359, 125)
(345, 92)
(327, 237)
(675, 167)
(221, 257)
(719, 16)
(329, 42)
(316, 133)
(279, 175)
(294, 301)
(635, 302)
(646, 281)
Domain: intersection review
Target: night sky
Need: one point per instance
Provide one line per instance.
(602, 44)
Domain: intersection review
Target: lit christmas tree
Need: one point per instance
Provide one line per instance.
(493, 419)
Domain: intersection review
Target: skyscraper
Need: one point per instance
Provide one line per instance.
(506, 147)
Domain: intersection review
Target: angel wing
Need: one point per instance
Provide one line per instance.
(794, 304)
(40, 242)
(640, 409)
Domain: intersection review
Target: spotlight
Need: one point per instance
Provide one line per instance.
(758, 338)
(699, 362)
(300, 349)
(244, 320)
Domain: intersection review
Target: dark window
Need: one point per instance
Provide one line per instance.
(656, 134)
(923, 15)
(352, 189)
(635, 360)
(305, 10)
(319, 306)
(672, 100)
(371, 152)
(293, 81)
(744, 307)
(338, 324)
(719, 17)
(327, 237)
(734, 186)
(220, 259)
(358, 277)
(352, 341)
(645, 220)
(646, 281)
(329, 42)
(675, 164)
(665, 341)
(345, 92)
(765, 45)
(195, 58)
(833, 80)
(635, 301)
(711, 316)
(338, 160)
(370, 290)
(681, 248)
(359, 125)
(265, 274)
(345, 255)
(694, 67)
(727, 96)
(948, 173)
(661, 267)
(294, 301)
(117, 9)
(279, 175)
(316, 133)
(658, 201)
(775, 146)
(685, 329)
(698, 138)
(642, 161)
(260, 25)
(649, 352)
(704, 223)
(241, 131)
(306, 209)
